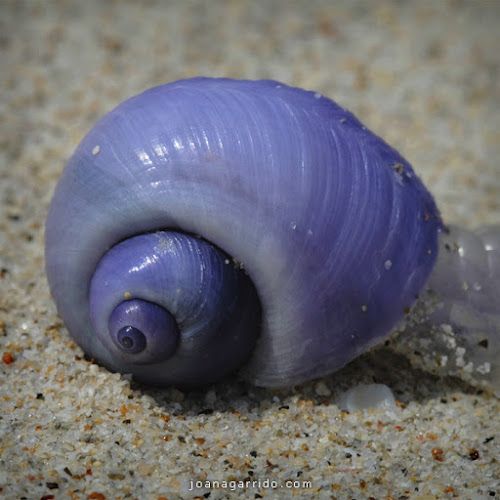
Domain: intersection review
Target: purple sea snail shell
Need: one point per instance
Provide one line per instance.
(209, 226)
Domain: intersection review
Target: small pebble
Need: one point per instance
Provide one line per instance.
(322, 389)
(365, 396)
(8, 358)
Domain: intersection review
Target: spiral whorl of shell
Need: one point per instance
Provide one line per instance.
(150, 288)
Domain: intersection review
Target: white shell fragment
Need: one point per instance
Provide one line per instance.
(364, 396)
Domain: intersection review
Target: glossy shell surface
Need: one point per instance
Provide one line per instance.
(332, 226)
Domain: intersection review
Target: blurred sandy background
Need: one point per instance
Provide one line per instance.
(423, 75)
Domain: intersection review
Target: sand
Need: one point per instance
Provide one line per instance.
(423, 75)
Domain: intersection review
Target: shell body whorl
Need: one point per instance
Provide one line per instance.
(334, 229)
